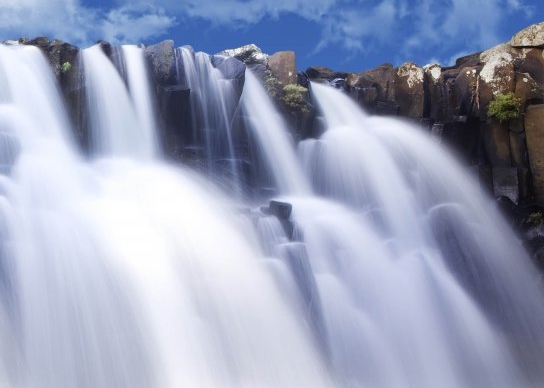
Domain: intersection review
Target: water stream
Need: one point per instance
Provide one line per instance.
(118, 270)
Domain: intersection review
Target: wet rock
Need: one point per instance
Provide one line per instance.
(505, 183)
(387, 108)
(230, 67)
(161, 58)
(282, 211)
(175, 114)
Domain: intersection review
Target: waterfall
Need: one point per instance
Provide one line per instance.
(213, 106)
(122, 123)
(120, 270)
(272, 139)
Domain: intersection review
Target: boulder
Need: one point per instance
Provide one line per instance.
(468, 60)
(319, 72)
(249, 54)
(230, 67)
(534, 129)
(409, 90)
(497, 76)
(382, 78)
(162, 62)
(283, 67)
(532, 36)
(282, 211)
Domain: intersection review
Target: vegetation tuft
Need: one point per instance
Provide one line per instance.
(294, 99)
(504, 108)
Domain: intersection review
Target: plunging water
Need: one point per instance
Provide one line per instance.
(214, 103)
(121, 272)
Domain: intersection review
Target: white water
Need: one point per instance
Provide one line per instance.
(122, 272)
(213, 104)
(273, 141)
(118, 128)
(442, 292)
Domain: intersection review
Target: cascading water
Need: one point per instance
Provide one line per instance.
(269, 129)
(122, 272)
(418, 281)
(119, 271)
(117, 127)
(213, 106)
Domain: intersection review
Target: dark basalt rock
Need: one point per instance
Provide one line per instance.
(232, 69)
(175, 113)
(282, 211)
(161, 58)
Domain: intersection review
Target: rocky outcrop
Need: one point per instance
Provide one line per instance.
(282, 65)
(532, 36)
(454, 100)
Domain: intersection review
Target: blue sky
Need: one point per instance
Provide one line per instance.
(351, 35)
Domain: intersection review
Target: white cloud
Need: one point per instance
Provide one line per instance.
(134, 24)
(70, 21)
(407, 27)
(349, 27)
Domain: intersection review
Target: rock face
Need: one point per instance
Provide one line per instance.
(455, 100)
(532, 36)
(534, 127)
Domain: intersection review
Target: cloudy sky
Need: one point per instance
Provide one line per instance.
(342, 34)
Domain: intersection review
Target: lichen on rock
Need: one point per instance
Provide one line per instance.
(412, 72)
(532, 36)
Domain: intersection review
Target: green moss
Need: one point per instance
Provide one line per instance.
(294, 99)
(505, 107)
(65, 67)
(272, 84)
(535, 218)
